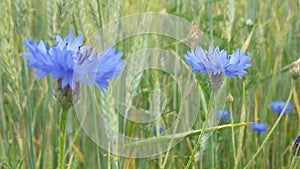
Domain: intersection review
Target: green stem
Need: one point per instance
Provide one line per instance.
(168, 138)
(242, 129)
(232, 135)
(273, 128)
(294, 163)
(197, 146)
(213, 149)
(62, 136)
(295, 159)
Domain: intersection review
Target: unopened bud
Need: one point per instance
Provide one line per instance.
(229, 98)
(5, 98)
(249, 22)
(295, 69)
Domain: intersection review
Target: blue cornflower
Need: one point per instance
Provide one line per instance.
(161, 129)
(102, 67)
(72, 64)
(259, 127)
(223, 114)
(277, 107)
(297, 140)
(215, 62)
(296, 147)
(38, 58)
(236, 63)
(110, 66)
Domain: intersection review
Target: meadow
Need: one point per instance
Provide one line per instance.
(31, 112)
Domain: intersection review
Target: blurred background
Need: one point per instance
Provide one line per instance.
(269, 31)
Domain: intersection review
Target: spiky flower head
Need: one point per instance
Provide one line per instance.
(73, 64)
(216, 62)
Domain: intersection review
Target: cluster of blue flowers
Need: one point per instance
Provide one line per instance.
(215, 61)
(277, 107)
(72, 63)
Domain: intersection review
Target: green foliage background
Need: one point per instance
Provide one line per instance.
(29, 115)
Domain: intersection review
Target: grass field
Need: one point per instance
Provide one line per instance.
(267, 31)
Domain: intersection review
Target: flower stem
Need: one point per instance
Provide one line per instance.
(232, 135)
(273, 128)
(62, 136)
(242, 129)
(294, 163)
(197, 146)
(295, 158)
